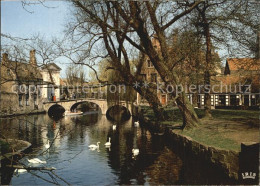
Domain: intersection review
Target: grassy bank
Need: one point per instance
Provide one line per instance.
(227, 129)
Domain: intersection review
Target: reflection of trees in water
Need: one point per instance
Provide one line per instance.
(120, 157)
(78, 132)
(118, 113)
(165, 169)
(38, 128)
(27, 128)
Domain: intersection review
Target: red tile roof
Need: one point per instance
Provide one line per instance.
(243, 64)
(233, 80)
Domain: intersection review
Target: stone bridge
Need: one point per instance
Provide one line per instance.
(103, 104)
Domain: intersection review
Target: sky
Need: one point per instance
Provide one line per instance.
(17, 21)
(24, 22)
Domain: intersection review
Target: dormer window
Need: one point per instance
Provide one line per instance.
(143, 77)
(149, 63)
(8, 72)
(154, 77)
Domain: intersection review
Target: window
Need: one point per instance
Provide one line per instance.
(149, 63)
(216, 99)
(254, 100)
(234, 100)
(202, 99)
(163, 99)
(143, 76)
(20, 100)
(39, 89)
(222, 101)
(35, 99)
(154, 77)
(8, 72)
(212, 100)
(27, 99)
(227, 100)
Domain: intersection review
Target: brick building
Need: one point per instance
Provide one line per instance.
(235, 87)
(20, 86)
(240, 84)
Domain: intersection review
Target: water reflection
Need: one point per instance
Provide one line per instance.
(70, 155)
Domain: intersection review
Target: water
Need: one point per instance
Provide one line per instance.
(75, 163)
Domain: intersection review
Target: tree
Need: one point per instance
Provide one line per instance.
(75, 75)
(230, 24)
(188, 52)
(46, 51)
(125, 29)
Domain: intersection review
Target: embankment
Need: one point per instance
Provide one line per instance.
(232, 164)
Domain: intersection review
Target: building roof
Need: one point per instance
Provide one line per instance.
(234, 81)
(63, 81)
(23, 72)
(51, 66)
(243, 64)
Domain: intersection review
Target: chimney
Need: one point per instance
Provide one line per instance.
(32, 58)
(4, 58)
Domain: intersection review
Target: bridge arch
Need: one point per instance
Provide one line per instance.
(75, 105)
(56, 110)
(118, 113)
(103, 104)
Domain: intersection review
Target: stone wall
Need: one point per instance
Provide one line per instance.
(226, 161)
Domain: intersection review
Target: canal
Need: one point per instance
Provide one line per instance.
(78, 165)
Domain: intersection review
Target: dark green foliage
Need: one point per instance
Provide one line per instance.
(5, 147)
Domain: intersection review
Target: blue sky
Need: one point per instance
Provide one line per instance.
(49, 22)
(16, 21)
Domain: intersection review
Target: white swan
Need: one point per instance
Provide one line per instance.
(93, 147)
(114, 127)
(108, 144)
(36, 160)
(135, 152)
(47, 145)
(20, 170)
(136, 123)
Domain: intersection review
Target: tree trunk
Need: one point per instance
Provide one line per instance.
(190, 118)
(207, 72)
(156, 106)
(207, 95)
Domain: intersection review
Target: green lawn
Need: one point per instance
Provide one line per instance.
(211, 138)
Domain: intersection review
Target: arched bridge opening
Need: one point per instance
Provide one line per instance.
(85, 106)
(59, 107)
(118, 113)
(56, 111)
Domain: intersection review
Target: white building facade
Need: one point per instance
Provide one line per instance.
(51, 78)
